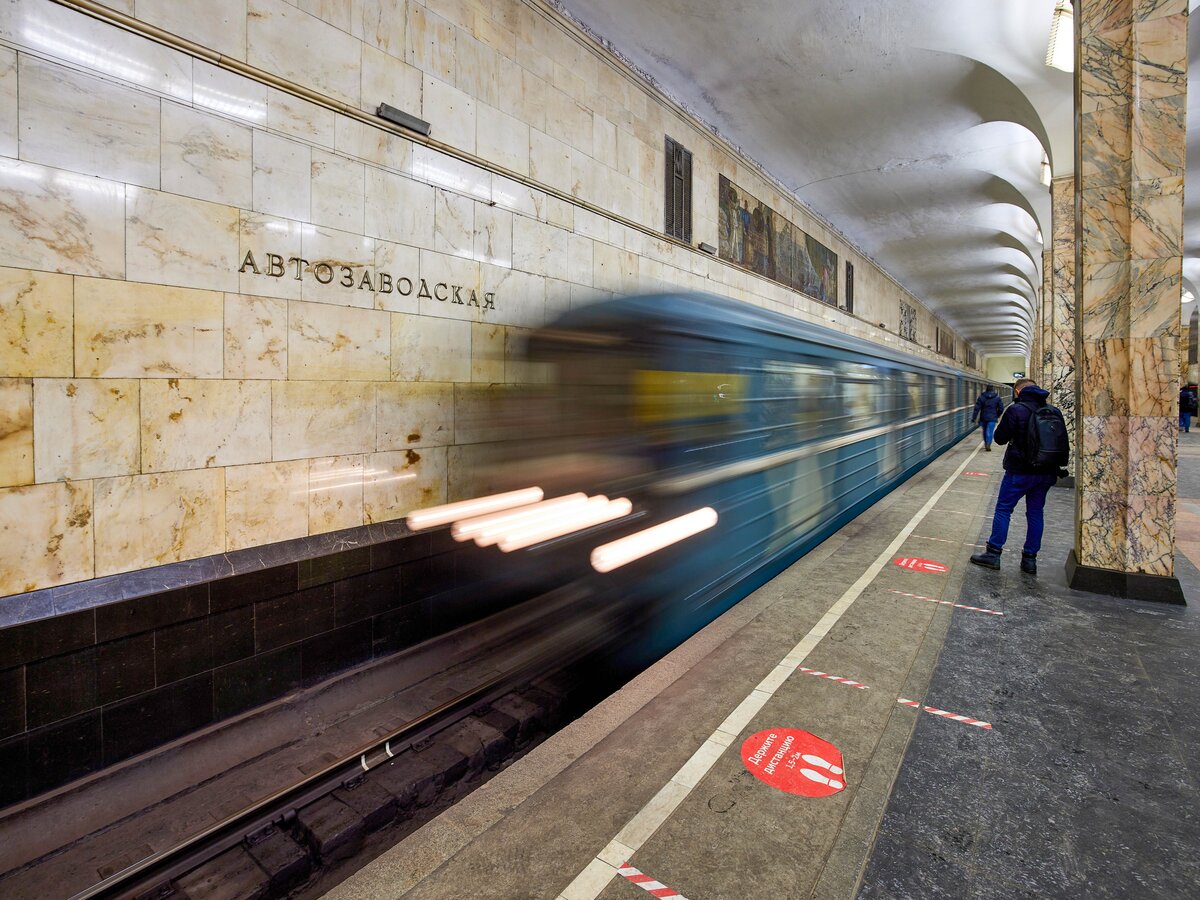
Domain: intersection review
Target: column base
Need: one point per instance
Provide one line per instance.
(1130, 585)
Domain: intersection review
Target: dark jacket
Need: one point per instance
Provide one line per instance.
(988, 408)
(1187, 401)
(1011, 430)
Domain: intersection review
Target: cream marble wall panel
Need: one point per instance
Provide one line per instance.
(385, 25)
(568, 121)
(430, 42)
(488, 342)
(388, 79)
(462, 13)
(1154, 297)
(125, 6)
(396, 483)
(89, 125)
(205, 156)
(436, 168)
(61, 222)
(540, 248)
(16, 431)
(414, 415)
(96, 47)
(1156, 228)
(8, 102)
(520, 297)
(334, 343)
(302, 48)
(85, 428)
(493, 235)
(301, 119)
(228, 94)
(399, 209)
(453, 223)
(446, 286)
(430, 349)
(450, 112)
(262, 235)
(477, 69)
(190, 424)
(282, 176)
(36, 309)
(217, 24)
(401, 262)
(338, 13)
(338, 191)
(373, 145)
(256, 344)
(1107, 132)
(265, 503)
(580, 259)
(351, 274)
(550, 161)
(150, 520)
(179, 241)
(46, 530)
(1161, 63)
(529, 102)
(322, 418)
(335, 493)
(126, 330)
(502, 138)
(1159, 144)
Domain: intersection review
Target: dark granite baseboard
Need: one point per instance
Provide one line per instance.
(120, 665)
(1130, 585)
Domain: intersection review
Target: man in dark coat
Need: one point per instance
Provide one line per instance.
(988, 409)
(1021, 479)
(1187, 407)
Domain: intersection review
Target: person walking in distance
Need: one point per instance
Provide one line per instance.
(1187, 407)
(1038, 447)
(988, 409)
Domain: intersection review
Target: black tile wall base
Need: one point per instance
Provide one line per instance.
(124, 672)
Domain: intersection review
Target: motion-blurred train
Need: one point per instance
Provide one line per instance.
(680, 403)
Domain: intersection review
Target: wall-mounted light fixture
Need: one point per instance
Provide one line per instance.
(1060, 54)
(1045, 170)
(707, 248)
(403, 119)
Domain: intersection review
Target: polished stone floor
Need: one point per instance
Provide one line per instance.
(1089, 783)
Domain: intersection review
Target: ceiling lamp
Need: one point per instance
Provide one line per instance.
(1060, 54)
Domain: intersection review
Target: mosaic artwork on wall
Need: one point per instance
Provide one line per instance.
(908, 321)
(755, 236)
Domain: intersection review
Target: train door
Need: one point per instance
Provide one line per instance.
(857, 462)
(890, 412)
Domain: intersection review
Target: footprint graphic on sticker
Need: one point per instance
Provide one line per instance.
(821, 779)
(821, 763)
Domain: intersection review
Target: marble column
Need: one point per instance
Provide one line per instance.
(1131, 100)
(1059, 375)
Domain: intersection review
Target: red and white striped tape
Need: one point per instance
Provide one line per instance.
(990, 612)
(966, 720)
(978, 474)
(837, 678)
(646, 883)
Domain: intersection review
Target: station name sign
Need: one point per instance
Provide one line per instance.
(360, 278)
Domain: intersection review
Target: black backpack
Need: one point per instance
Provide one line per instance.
(1047, 445)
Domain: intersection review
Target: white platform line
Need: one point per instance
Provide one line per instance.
(589, 883)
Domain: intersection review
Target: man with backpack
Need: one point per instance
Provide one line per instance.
(988, 409)
(1038, 447)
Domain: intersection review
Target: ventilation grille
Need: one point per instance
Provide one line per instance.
(679, 192)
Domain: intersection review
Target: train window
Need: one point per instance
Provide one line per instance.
(860, 386)
(912, 386)
(797, 399)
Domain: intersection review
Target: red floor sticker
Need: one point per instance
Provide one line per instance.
(795, 761)
(966, 720)
(916, 564)
(646, 883)
(978, 474)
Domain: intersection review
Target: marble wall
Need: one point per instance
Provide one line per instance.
(232, 315)
(1134, 99)
(1060, 376)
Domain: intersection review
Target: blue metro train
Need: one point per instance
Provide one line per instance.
(681, 402)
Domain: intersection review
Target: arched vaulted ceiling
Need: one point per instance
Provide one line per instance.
(917, 127)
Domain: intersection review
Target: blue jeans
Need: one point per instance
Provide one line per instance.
(1185, 421)
(989, 429)
(1034, 489)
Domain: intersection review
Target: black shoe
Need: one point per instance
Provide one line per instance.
(989, 558)
(1029, 563)
(987, 447)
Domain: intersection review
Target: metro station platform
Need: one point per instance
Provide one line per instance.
(1069, 764)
